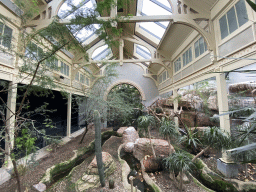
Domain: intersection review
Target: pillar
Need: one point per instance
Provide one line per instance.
(69, 114)
(175, 105)
(223, 101)
(10, 117)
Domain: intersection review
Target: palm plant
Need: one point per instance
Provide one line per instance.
(191, 139)
(178, 163)
(214, 137)
(169, 130)
(144, 123)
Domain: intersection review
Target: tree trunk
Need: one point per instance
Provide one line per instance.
(98, 151)
(153, 150)
(85, 131)
(181, 180)
(199, 154)
(16, 174)
(169, 143)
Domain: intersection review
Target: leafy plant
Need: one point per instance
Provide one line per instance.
(169, 130)
(144, 123)
(178, 163)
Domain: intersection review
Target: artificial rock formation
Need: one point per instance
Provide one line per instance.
(142, 147)
(129, 137)
(120, 131)
(91, 178)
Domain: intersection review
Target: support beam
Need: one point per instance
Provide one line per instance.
(175, 105)
(121, 51)
(69, 114)
(11, 103)
(223, 101)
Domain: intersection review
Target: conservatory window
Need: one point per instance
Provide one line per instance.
(77, 76)
(177, 65)
(82, 78)
(87, 81)
(143, 52)
(101, 53)
(233, 19)
(5, 35)
(200, 47)
(52, 62)
(187, 57)
(64, 69)
(34, 52)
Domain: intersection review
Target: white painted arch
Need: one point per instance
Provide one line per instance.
(125, 81)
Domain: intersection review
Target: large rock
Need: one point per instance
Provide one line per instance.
(120, 131)
(91, 178)
(129, 147)
(213, 103)
(142, 148)
(130, 135)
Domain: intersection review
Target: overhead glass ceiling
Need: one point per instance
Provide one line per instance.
(159, 7)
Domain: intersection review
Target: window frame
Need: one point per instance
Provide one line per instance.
(63, 70)
(239, 29)
(3, 31)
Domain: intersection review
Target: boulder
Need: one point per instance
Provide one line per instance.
(91, 178)
(40, 187)
(130, 135)
(142, 148)
(213, 103)
(129, 147)
(120, 131)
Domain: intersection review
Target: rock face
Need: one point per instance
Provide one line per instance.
(130, 135)
(142, 148)
(120, 131)
(91, 178)
(129, 147)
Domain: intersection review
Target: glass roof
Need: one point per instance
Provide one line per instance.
(101, 53)
(160, 7)
(68, 11)
(142, 51)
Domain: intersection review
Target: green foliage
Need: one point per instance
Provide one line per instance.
(253, 5)
(22, 169)
(168, 128)
(145, 121)
(25, 142)
(178, 162)
(216, 138)
(191, 139)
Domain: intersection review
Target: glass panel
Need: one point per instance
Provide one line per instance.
(153, 29)
(241, 12)
(62, 68)
(148, 6)
(143, 52)
(77, 76)
(205, 46)
(67, 70)
(7, 37)
(1, 31)
(223, 27)
(164, 75)
(196, 48)
(232, 22)
(40, 53)
(190, 55)
(201, 45)
(184, 59)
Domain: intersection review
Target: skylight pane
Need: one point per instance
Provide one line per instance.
(101, 53)
(165, 2)
(143, 52)
(148, 6)
(153, 29)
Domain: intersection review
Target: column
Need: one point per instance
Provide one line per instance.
(223, 101)
(175, 105)
(69, 114)
(10, 117)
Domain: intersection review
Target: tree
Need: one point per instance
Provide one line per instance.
(169, 130)
(178, 163)
(144, 122)
(214, 137)
(36, 50)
